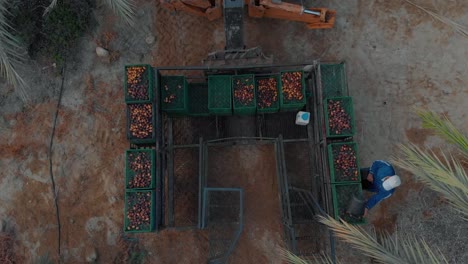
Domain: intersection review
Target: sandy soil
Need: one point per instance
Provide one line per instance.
(186, 182)
(397, 57)
(252, 168)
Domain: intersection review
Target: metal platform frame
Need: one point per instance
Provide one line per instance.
(316, 200)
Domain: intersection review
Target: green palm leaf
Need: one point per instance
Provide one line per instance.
(462, 30)
(442, 126)
(50, 7)
(385, 249)
(446, 176)
(124, 8)
(12, 53)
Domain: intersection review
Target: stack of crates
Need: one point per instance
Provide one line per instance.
(345, 178)
(250, 94)
(140, 183)
(223, 95)
(141, 172)
(139, 99)
(179, 97)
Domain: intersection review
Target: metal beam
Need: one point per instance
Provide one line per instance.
(170, 176)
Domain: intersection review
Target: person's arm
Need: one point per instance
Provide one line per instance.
(376, 198)
(370, 177)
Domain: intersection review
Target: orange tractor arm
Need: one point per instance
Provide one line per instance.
(202, 8)
(314, 18)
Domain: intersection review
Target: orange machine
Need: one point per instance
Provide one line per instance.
(314, 18)
(232, 11)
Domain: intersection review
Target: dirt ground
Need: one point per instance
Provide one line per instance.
(186, 183)
(252, 168)
(396, 57)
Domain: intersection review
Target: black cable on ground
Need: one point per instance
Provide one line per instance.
(55, 193)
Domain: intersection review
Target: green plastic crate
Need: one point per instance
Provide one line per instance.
(130, 174)
(347, 105)
(219, 95)
(342, 195)
(174, 86)
(335, 175)
(198, 99)
(274, 107)
(333, 78)
(292, 105)
(150, 227)
(240, 108)
(147, 77)
(151, 138)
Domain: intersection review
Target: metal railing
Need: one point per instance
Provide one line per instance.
(299, 207)
(222, 216)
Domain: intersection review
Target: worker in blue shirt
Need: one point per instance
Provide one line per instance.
(381, 180)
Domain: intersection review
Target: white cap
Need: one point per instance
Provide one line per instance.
(391, 182)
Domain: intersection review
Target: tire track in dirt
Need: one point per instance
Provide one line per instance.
(251, 167)
(183, 39)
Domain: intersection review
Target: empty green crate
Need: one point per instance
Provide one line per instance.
(219, 95)
(248, 106)
(342, 196)
(346, 105)
(337, 175)
(146, 85)
(333, 78)
(292, 104)
(130, 196)
(174, 97)
(130, 174)
(274, 107)
(198, 99)
(134, 138)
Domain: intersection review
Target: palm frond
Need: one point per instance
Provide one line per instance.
(50, 7)
(460, 29)
(442, 126)
(390, 249)
(359, 239)
(446, 176)
(124, 9)
(11, 53)
(292, 258)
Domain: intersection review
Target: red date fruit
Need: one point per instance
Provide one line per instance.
(141, 120)
(140, 163)
(345, 163)
(171, 93)
(244, 91)
(137, 83)
(267, 92)
(292, 86)
(139, 210)
(339, 120)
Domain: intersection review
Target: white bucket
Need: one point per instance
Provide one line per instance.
(302, 118)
